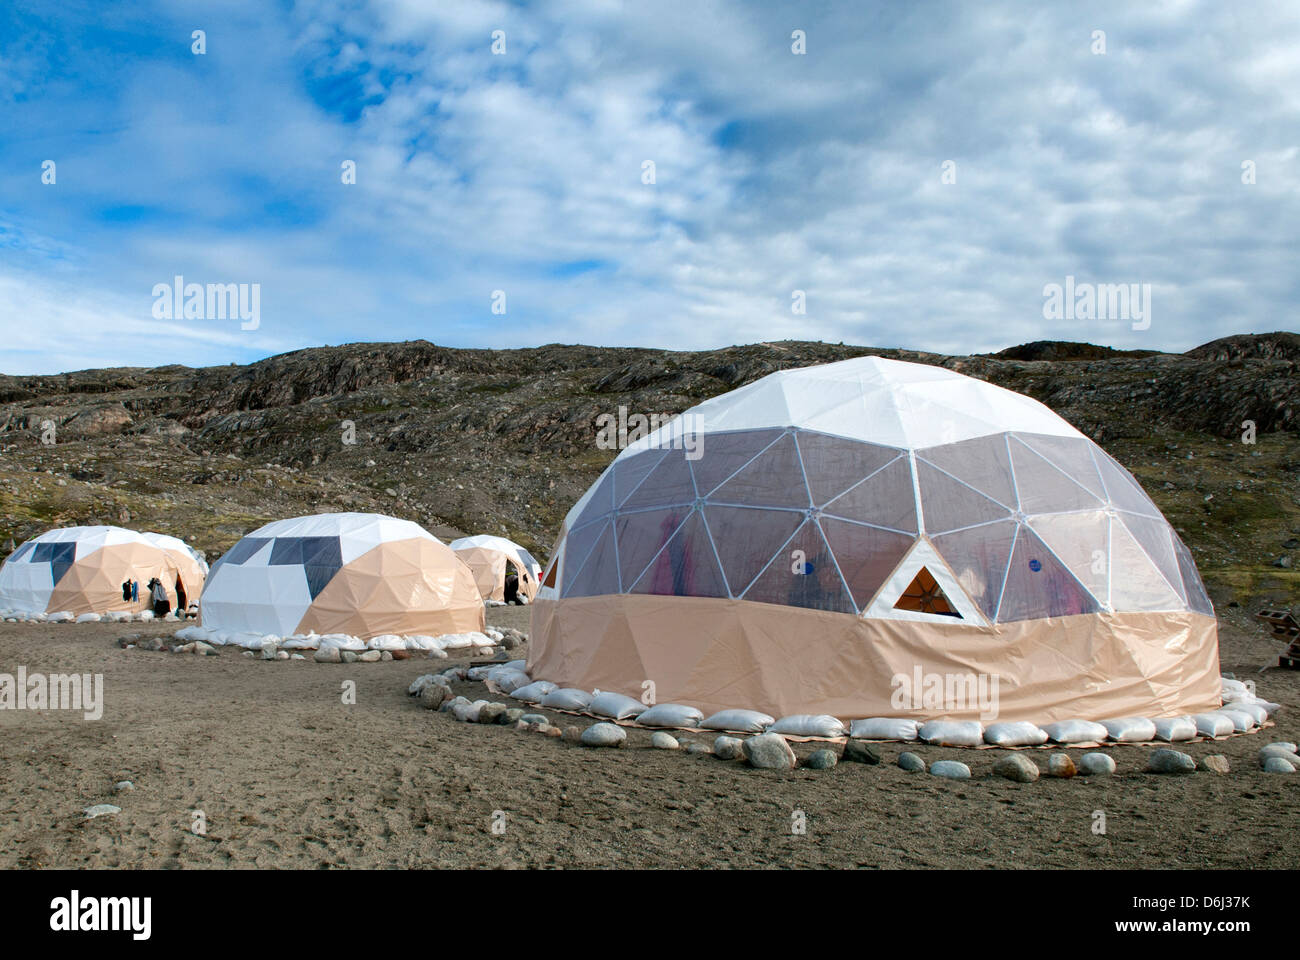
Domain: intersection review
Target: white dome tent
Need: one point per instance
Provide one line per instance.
(490, 557)
(79, 571)
(360, 575)
(840, 526)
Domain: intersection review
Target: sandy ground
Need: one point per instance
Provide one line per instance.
(288, 776)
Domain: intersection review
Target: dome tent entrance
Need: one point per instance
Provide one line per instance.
(360, 574)
(80, 570)
(490, 558)
(846, 524)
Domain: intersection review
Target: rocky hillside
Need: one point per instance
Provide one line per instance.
(503, 441)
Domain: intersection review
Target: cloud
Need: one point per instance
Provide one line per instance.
(524, 172)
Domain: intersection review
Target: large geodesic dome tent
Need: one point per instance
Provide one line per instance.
(80, 570)
(795, 545)
(355, 574)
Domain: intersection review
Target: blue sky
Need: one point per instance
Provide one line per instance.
(523, 173)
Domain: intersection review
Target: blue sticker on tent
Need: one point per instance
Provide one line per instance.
(1035, 565)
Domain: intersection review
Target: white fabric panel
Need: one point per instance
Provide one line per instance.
(240, 597)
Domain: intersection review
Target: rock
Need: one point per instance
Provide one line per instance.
(768, 751)
(123, 786)
(204, 649)
(1060, 765)
(513, 715)
(348, 656)
(821, 760)
(386, 655)
(950, 770)
(1170, 761)
(1096, 764)
(855, 751)
(490, 712)
(551, 730)
(604, 735)
(697, 749)
(370, 656)
(1284, 744)
(1017, 767)
(1277, 765)
(728, 748)
(184, 648)
(535, 718)
(270, 651)
(101, 810)
(911, 762)
(447, 705)
(295, 656)
(1216, 763)
(248, 653)
(663, 741)
(573, 734)
(399, 654)
(284, 655)
(1279, 751)
(327, 655)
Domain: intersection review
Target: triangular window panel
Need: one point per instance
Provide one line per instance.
(924, 595)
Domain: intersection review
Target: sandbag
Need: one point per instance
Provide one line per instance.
(1213, 725)
(65, 616)
(953, 733)
(89, 618)
(616, 706)
(1021, 734)
(1172, 729)
(455, 641)
(533, 692)
(745, 721)
(884, 728)
(342, 641)
(387, 641)
(507, 681)
(670, 715)
(1130, 729)
(567, 698)
(190, 634)
(1242, 722)
(1253, 708)
(1076, 731)
(808, 725)
(1233, 689)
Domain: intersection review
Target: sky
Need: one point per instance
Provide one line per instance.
(898, 175)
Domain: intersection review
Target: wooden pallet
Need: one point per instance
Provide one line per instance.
(1285, 629)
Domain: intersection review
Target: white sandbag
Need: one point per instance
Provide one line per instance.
(808, 725)
(1242, 722)
(1234, 689)
(62, 616)
(1130, 729)
(480, 639)
(1213, 725)
(343, 641)
(496, 635)
(1268, 706)
(421, 642)
(744, 721)
(670, 715)
(567, 698)
(120, 616)
(507, 681)
(1173, 729)
(952, 733)
(884, 728)
(386, 641)
(1021, 734)
(455, 641)
(1252, 708)
(1075, 731)
(144, 616)
(89, 618)
(299, 641)
(517, 665)
(189, 634)
(480, 673)
(533, 692)
(616, 706)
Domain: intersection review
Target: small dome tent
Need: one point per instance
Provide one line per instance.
(81, 570)
(490, 558)
(360, 574)
(823, 539)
